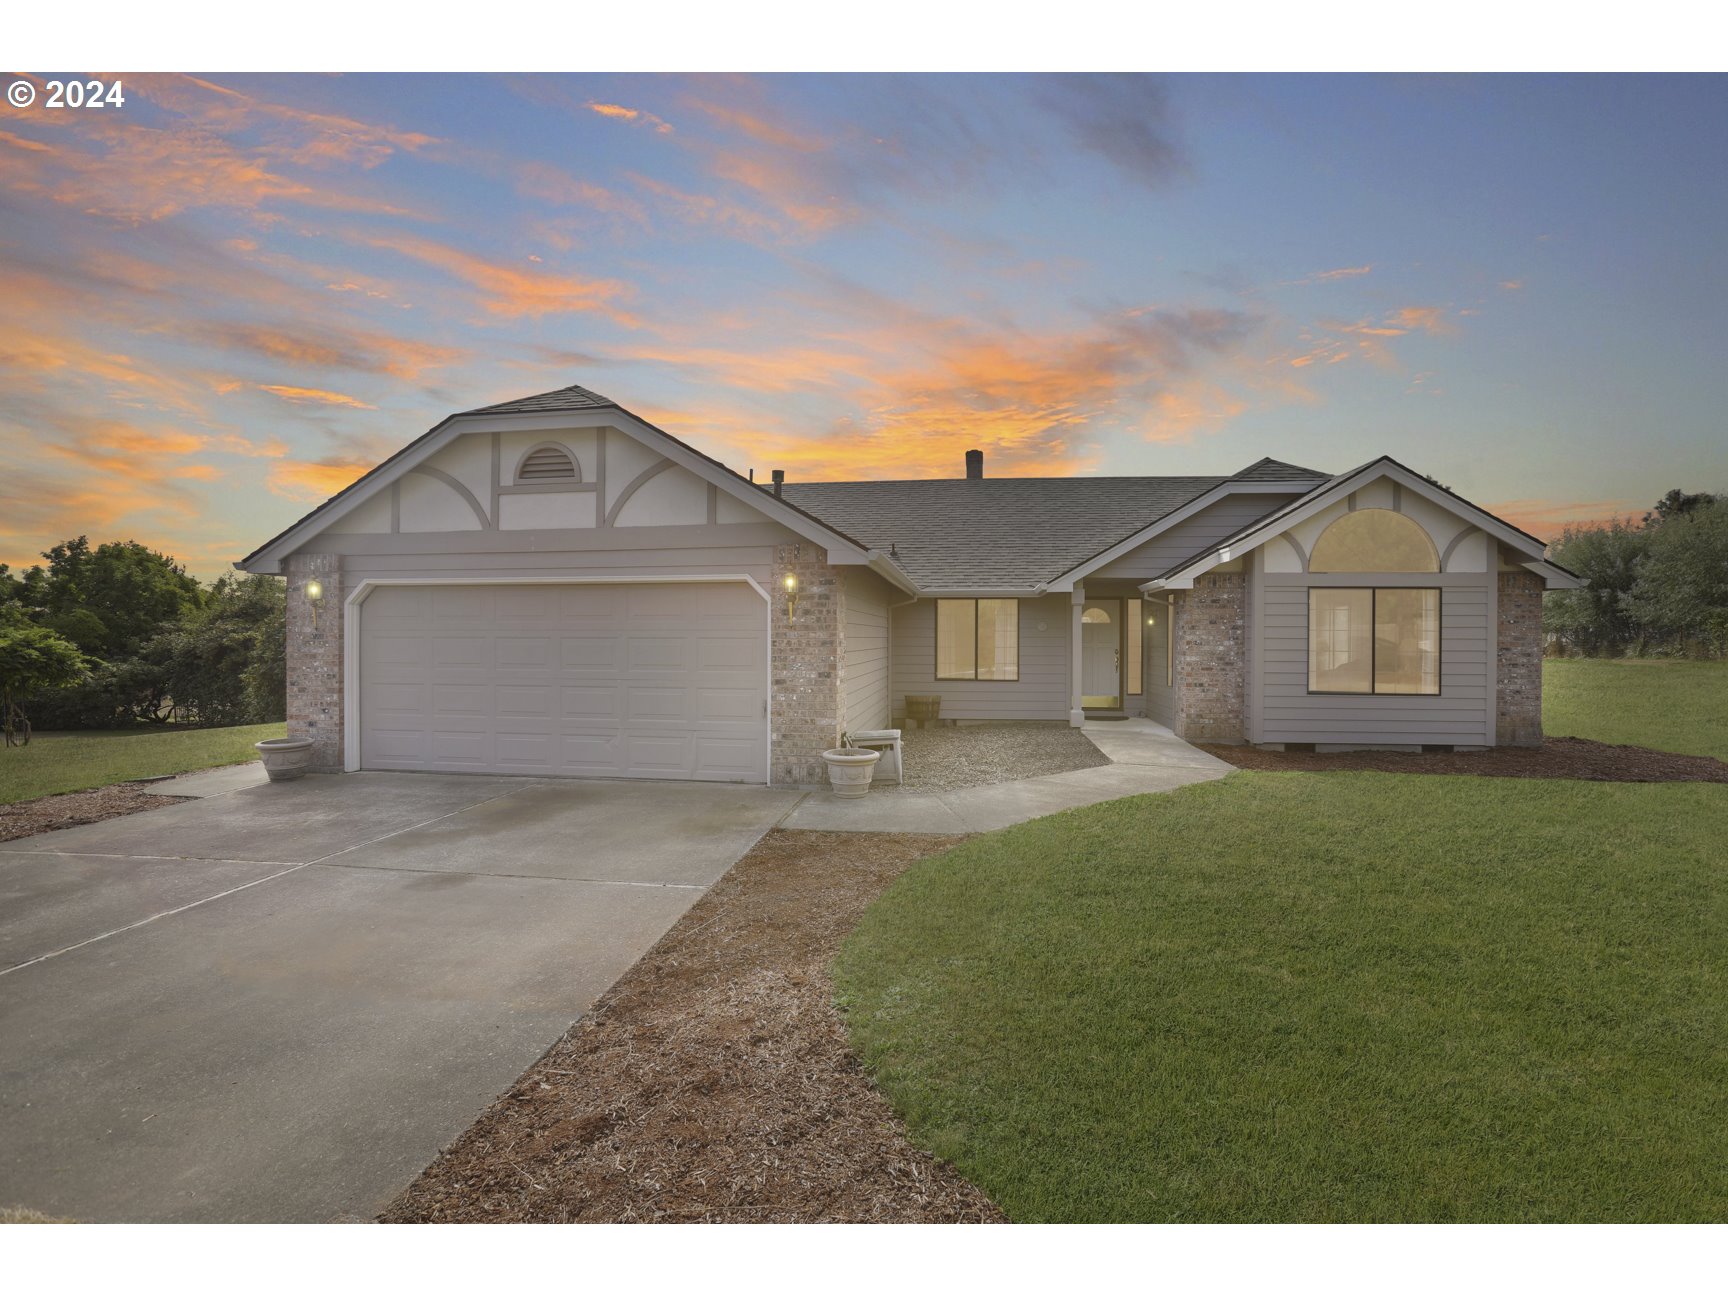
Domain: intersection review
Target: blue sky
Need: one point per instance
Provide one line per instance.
(227, 298)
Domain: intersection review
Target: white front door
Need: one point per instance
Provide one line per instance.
(1101, 653)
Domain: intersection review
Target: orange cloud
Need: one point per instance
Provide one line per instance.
(312, 395)
(634, 115)
(314, 481)
(1547, 518)
(553, 185)
(1424, 319)
(511, 292)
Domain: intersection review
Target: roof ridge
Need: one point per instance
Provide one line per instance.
(577, 397)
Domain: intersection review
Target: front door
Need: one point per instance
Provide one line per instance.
(1101, 653)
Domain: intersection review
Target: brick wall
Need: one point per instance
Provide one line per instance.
(1518, 661)
(315, 658)
(1211, 658)
(805, 706)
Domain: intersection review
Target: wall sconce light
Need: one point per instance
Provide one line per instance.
(791, 595)
(314, 591)
(1151, 620)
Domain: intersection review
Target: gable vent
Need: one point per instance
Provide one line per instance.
(548, 463)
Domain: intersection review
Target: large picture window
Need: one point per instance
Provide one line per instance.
(1374, 641)
(978, 639)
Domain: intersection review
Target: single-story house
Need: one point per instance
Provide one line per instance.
(554, 586)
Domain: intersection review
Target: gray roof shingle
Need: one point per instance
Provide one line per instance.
(552, 402)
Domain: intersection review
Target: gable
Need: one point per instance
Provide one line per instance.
(593, 470)
(1210, 525)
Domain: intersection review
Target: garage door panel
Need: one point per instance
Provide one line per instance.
(646, 681)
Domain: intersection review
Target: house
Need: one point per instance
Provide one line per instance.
(555, 586)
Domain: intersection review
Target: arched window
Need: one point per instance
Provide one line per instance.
(1374, 540)
(547, 463)
(1095, 616)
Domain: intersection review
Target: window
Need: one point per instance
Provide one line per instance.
(1374, 540)
(1374, 641)
(1135, 628)
(978, 639)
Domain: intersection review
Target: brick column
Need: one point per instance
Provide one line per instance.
(1518, 661)
(805, 709)
(1211, 658)
(315, 658)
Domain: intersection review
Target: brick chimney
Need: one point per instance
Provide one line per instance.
(974, 465)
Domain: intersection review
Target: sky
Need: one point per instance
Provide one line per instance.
(225, 299)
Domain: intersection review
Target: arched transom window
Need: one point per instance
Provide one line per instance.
(1374, 540)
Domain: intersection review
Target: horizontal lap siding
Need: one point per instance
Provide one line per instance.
(864, 663)
(1289, 713)
(1041, 692)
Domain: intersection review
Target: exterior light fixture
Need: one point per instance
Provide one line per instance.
(314, 591)
(791, 594)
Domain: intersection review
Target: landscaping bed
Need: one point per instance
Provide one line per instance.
(962, 756)
(714, 1082)
(1558, 758)
(69, 809)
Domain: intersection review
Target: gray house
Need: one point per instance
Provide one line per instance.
(554, 586)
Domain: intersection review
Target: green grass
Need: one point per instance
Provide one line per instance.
(70, 762)
(1318, 997)
(1676, 706)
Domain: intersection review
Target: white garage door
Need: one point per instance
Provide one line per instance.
(608, 681)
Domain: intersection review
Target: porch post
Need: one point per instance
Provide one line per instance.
(1076, 711)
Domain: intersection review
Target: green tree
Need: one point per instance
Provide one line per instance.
(33, 659)
(1597, 619)
(112, 599)
(1681, 592)
(219, 662)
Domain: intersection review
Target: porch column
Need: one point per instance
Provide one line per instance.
(1076, 711)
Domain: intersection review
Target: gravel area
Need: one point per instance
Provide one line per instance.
(963, 756)
(1562, 758)
(69, 809)
(715, 1082)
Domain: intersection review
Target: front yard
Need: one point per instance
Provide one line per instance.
(1318, 997)
(70, 762)
(1676, 706)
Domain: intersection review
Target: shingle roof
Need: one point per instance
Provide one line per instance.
(1276, 470)
(1000, 532)
(552, 402)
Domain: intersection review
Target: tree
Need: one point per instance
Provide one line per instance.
(1682, 587)
(110, 600)
(1597, 619)
(1676, 503)
(33, 659)
(219, 663)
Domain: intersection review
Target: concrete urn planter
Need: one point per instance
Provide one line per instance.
(285, 758)
(850, 769)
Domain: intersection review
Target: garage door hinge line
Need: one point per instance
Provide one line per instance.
(166, 913)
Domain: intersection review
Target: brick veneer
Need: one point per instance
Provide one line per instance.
(1518, 661)
(315, 658)
(1211, 658)
(806, 652)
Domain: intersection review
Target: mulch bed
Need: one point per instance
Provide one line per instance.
(69, 809)
(1557, 758)
(715, 1081)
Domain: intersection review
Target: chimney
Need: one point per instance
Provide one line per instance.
(974, 465)
(779, 479)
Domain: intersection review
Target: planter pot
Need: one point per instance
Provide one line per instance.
(285, 758)
(850, 769)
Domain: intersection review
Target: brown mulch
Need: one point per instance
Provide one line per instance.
(715, 1081)
(69, 809)
(1557, 758)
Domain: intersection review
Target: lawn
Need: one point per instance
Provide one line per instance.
(70, 762)
(1318, 997)
(1677, 706)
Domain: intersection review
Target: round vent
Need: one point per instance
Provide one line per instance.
(548, 463)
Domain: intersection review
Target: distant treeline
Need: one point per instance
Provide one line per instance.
(144, 643)
(1658, 587)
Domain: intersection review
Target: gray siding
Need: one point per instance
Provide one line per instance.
(1160, 697)
(1287, 712)
(1041, 692)
(1190, 537)
(864, 662)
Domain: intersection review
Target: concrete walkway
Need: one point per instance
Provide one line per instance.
(211, 782)
(1144, 757)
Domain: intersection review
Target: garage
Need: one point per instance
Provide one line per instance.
(656, 680)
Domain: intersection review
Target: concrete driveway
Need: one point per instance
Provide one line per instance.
(279, 1003)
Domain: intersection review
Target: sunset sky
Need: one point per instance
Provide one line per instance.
(226, 299)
